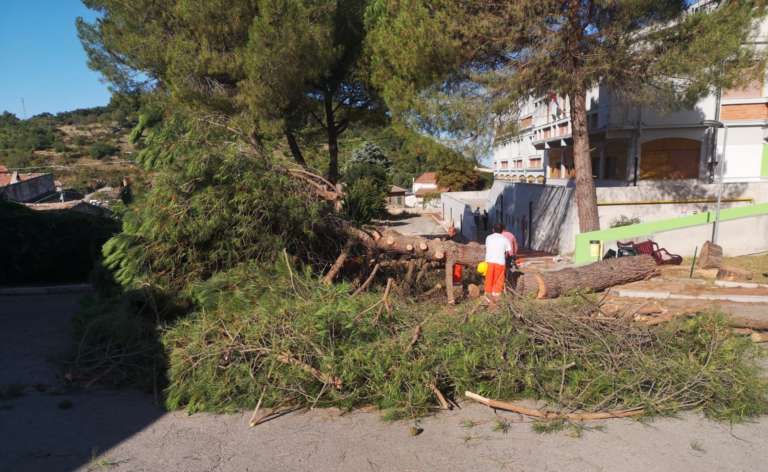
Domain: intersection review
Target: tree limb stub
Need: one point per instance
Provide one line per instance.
(336, 267)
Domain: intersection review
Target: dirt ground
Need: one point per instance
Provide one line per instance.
(49, 429)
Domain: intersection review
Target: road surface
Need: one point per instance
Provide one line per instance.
(125, 431)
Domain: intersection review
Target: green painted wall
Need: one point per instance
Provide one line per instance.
(581, 254)
(764, 164)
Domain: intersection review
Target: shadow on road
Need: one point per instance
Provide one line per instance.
(44, 426)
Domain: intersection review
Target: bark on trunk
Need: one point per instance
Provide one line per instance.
(392, 242)
(333, 139)
(594, 277)
(586, 195)
(295, 149)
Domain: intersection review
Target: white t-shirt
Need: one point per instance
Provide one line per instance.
(496, 248)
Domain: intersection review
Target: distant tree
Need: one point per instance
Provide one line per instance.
(370, 154)
(505, 51)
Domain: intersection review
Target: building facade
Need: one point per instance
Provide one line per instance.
(635, 145)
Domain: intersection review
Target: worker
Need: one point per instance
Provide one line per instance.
(496, 249)
(511, 255)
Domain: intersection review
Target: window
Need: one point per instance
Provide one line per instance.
(534, 162)
(670, 158)
(518, 163)
(503, 164)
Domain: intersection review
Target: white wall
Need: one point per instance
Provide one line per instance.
(418, 186)
(744, 152)
(552, 214)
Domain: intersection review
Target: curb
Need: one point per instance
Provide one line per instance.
(729, 284)
(658, 295)
(47, 290)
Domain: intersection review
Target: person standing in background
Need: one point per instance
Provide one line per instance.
(496, 249)
(511, 255)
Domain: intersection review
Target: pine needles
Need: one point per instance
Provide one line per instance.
(298, 342)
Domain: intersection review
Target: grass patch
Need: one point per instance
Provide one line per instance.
(502, 426)
(758, 265)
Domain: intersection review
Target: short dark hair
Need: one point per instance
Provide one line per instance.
(498, 228)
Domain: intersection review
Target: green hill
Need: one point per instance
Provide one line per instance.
(85, 149)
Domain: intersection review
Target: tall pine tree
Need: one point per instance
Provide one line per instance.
(646, 50)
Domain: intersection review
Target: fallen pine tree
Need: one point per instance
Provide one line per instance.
(593, 277)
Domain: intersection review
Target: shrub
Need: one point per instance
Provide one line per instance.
(102, 150)
(364, 200)
(60, 146)
(50, 247)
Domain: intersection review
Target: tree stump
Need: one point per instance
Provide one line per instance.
(711, 256)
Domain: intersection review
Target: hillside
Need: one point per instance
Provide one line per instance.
(86, 149)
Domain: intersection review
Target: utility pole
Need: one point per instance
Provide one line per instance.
(720, 174)
(23, 110)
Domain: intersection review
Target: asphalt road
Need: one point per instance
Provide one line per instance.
(125, 431)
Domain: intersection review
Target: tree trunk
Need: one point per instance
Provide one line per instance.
(586, 195)
(449, 263)
(333, 139)
(295, 150)
(392, 242)
(593, 277)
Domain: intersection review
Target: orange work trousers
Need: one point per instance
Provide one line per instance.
(494, 279)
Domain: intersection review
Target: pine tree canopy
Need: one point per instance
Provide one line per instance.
(512, 50)
(269, 68)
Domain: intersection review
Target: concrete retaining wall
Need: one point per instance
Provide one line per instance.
(544, 217)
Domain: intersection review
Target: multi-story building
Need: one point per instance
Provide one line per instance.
(632, 145)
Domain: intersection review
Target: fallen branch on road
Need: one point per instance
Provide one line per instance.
(553, 415)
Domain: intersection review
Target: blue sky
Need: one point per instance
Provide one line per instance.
(42, 61)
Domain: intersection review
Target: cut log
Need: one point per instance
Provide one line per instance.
(739, 321)
(757, 337)
(711, 256)
(593, 277)
(393, 242)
